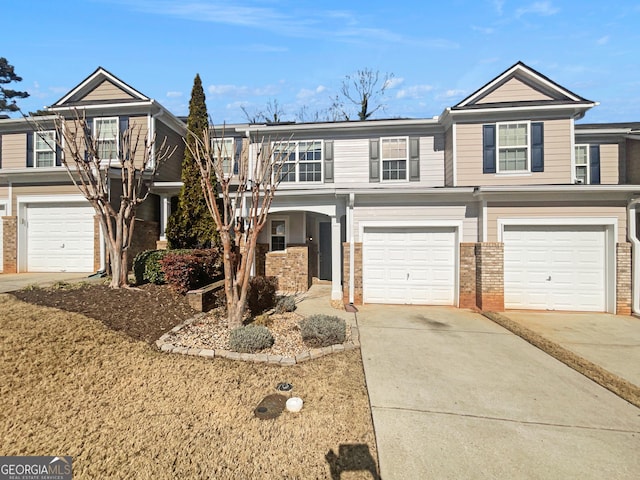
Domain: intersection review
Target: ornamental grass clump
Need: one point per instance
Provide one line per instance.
(250, 339)
(323, 330)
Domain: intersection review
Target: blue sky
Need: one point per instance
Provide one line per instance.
(297, 52)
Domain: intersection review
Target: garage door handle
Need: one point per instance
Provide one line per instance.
(549, 278)
(62, 246)
(407, 276)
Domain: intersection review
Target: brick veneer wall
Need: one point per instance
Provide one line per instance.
(261, 251)
(10, 244)
(468, 275)
(290, 267)
(623, 279)
(357, 269)
(490, 276)
(145, 237)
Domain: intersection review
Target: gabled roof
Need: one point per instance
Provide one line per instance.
(92, 82)
(520, 85)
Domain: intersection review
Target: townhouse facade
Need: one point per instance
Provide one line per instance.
(501, 201)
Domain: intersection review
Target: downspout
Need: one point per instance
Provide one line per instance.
(635, 254)
(350, 223)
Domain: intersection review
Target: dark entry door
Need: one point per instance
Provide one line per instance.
(325, 251)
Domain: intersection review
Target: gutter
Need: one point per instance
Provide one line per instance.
(635, 254)
(352, 275)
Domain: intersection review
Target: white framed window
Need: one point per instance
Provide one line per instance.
(44, 149)
(302, 161)
(225, 148)
(514, 147)
(393, 157)
(581, 173)
(106, 134)
(278, 234)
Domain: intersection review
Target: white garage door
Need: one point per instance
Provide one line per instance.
(60, 238)
(409, 265)
(555, 267)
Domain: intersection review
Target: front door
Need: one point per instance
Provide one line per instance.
(325, 251)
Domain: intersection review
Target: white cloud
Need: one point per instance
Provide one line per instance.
(308, 93)
(539, 8)
(498, 4)
(451, 93)
(603, 40)
(415, 91)
(484, 30)
(174, 94)
(394, 82)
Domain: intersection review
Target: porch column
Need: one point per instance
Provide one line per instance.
(336, 255)
(165, 211)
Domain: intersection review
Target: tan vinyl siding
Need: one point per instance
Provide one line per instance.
(46, 190)
(169, 170)
(609, 157)
(633, 161)
(431, 161)
(141, 125)
(106, 91)
(553, 211)
(448, 157)
(557, 157)
(419, 213)
(351, 162)
(14, 150)
(514, 90)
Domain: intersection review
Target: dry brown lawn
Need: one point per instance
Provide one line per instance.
(121, 409)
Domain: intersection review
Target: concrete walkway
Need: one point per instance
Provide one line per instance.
(611, 341)
(454, 395)
(10, 282)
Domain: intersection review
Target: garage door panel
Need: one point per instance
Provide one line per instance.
(555, 267)
(60, 237)
(409, 265)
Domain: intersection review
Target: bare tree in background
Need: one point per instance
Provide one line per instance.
(239, 205)
(93, 165)
(272, 113)
(363, 90)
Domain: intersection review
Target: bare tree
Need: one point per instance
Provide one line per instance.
(239, 205)
(272, 113)
(133, 160)
(362, 90)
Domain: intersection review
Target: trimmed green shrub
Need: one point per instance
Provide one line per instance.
(286, 304)
(250, 339)
(323, 330)
(262, 294)
(186, 270)
(147, 267)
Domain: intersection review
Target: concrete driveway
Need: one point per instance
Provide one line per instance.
(611, 341)
(10, 282)
(454, 395)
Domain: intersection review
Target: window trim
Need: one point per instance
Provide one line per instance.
(96, 131)
(49, 148)
(406, 160)
(286, 233)
(499, 147)
(587, 147)
(232, 151)
(296, 151)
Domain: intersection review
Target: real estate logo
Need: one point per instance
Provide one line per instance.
(35, 468)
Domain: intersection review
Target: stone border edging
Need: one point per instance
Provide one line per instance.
(621, 387)
(165, 345)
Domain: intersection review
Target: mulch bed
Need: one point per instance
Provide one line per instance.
(142, 314)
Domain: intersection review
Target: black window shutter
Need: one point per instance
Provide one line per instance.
(0, 151)
(537, 147)
(89, 132)
(328, 161)
(374, 160)
(58, 150)
(414, 159)
(237, 142)
(123, 124)
(30, 148)
(594, 163)
(488, 149)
